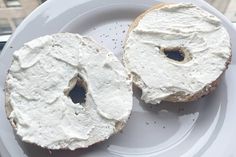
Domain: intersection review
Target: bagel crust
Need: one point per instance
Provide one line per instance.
(43, 73)
(202, 40)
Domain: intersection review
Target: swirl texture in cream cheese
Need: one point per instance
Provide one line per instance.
(184, 26)
(41, 76)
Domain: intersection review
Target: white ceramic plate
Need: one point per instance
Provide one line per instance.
(203, 128)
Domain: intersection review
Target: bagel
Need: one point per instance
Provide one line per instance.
(44, 75)
(176, 52)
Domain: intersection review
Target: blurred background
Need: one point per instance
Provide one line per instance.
(227, 7)
(12, 12)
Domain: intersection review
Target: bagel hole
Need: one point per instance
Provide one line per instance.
(78, 92)
(175, 53)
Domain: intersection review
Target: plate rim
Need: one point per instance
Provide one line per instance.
(45, 6)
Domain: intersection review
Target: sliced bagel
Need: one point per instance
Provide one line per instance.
(44, 75)
(176, 52)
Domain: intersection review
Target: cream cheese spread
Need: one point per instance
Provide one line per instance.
(186, 26)
(42, 74)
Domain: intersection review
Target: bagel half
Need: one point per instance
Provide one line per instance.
(183, 31)
(43, 75)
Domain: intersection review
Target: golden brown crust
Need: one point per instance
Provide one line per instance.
(184, 98)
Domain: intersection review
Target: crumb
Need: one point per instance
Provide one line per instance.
(113, 39)
(147, 123)
(11, 47)
(123, 31)
(108, 145)
(155, 122)
(106, 36)
(193, 119)
(97, 50)
(164, 127)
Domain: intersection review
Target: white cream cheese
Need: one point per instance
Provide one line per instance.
(187, 26)
(42, 72)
